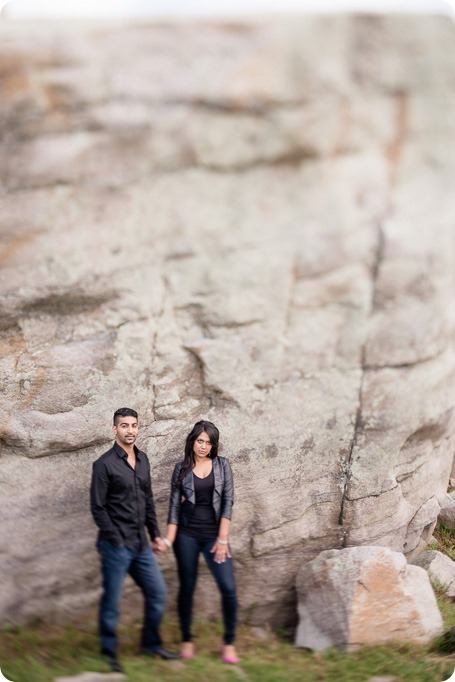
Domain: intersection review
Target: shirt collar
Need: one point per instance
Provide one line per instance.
(122, 453)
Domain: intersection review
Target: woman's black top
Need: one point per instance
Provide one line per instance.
(183, 497)
(202, 523)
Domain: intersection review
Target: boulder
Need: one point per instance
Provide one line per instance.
(364, 596)
(440, 568)
(446, 515)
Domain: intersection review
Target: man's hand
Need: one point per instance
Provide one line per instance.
(159, 547)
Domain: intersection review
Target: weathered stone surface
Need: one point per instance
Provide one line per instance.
(447, 513)
(440, 568)
(364, 596)
(215, 221)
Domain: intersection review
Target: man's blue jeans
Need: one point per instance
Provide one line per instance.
(142, 566)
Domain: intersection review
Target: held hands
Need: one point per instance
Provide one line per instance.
(160, 546)
(221, 551)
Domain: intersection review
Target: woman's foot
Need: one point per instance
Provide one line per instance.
(230, 654)
(187, 650)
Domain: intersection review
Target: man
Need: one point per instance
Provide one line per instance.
(122, 506)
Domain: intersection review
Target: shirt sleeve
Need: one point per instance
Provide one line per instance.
(227, 499)
(151, 521)
(175, 498)
(98, 498)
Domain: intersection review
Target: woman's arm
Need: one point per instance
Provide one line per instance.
(175, 498)
(227, 497)
(171, 532)
(223, 531)
(220, 549)
(174, 509)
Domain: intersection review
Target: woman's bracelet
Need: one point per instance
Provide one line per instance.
(167, 542)
(222, 542)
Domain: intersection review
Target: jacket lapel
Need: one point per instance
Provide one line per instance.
(188, 483)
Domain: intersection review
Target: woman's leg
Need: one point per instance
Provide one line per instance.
(186, 550)
(225, 579)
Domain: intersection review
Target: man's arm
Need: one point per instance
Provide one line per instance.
(98, 497)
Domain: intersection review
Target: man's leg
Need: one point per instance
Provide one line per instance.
(115, 562)
(186, 550)
(146, 573)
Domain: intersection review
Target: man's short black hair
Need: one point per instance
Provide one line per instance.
(124, 412)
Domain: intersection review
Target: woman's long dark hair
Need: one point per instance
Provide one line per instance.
(214, 435)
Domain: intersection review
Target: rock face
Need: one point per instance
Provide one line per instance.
(213, 220)
(440, 568)
(364, 596)
(446, 514)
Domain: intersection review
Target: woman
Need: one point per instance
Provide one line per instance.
(199, 518)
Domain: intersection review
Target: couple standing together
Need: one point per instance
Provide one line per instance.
(200, 505)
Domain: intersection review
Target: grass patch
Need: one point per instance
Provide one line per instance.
(446, 606)
(41, 653)
(445, 541)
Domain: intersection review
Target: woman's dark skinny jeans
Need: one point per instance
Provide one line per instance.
(187, 550)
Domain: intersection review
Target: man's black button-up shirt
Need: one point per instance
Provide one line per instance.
(121, 498)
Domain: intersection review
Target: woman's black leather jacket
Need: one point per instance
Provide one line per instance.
(183, 498)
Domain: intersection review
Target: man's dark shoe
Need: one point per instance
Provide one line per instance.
(159, 652)
(113, 663)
